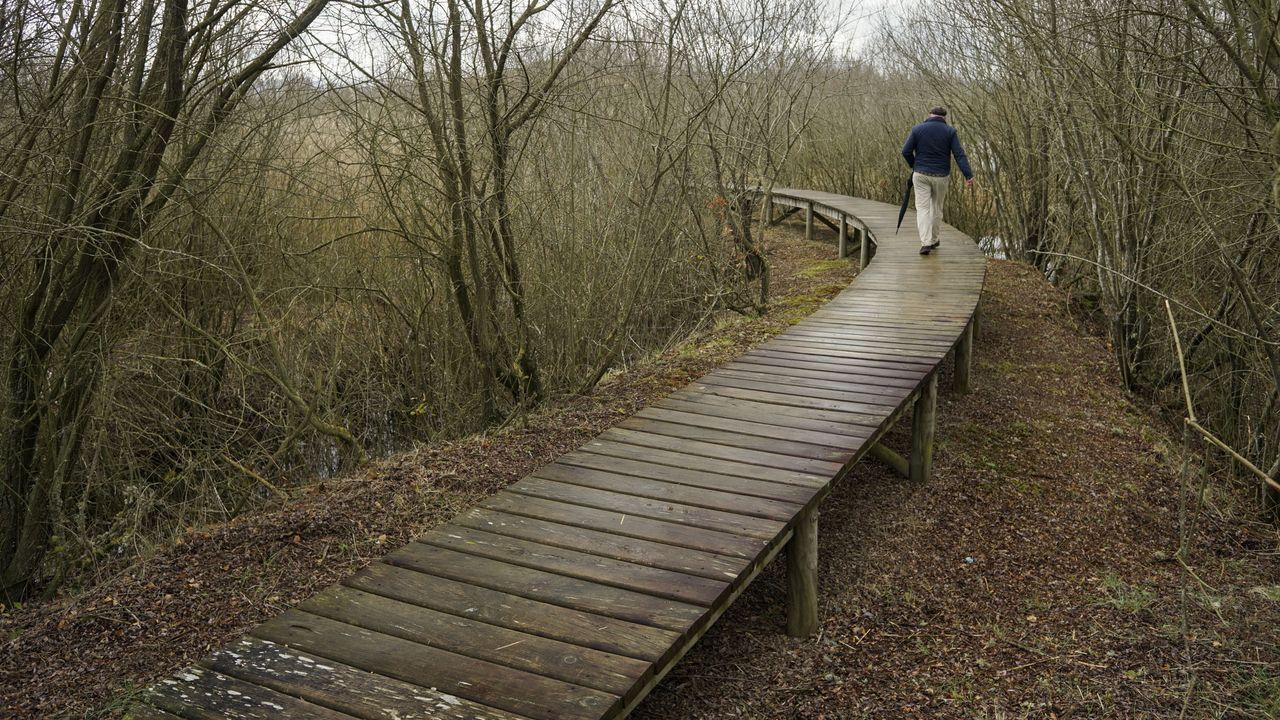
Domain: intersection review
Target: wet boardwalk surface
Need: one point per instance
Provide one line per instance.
(572, 592)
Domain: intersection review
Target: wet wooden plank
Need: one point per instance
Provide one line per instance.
(810, 359)
(803, 389)
(341, 687)
(887, 350)
(817, 378)
(200, 694)
(668, 584)
(548, 587)
(757, 411)
(752, 505)
(606, 544)
(874, 377)
(749, 428)
(763, 459)
(682, 535)
(585, 629)
(720, 466)
(864, 411)
(915, 358)
(483, 682)
(848, 338)
(745, 525)
(704, 432)
(511, 648)
(684, 476)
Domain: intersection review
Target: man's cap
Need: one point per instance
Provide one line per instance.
(939, 111)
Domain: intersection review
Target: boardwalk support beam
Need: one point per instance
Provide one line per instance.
(890, 457)
(922, 423)
(843, 246)
(785, 214)
(864, 256)
(808, 222)
(802, 575)
(964, 360)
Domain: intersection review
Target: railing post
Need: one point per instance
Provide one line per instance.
(843, 246)
(864, 255)
(808, 222)
(922, 430)
(964, 358)
(802, 575)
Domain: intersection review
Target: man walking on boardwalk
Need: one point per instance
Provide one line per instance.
(928, 152)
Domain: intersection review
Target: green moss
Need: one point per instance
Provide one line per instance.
(1117, 593)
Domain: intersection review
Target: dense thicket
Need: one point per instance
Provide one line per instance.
(1129, 149)
(248, 242)
(245, 242)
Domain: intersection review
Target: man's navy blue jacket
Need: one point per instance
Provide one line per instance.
(930, 146)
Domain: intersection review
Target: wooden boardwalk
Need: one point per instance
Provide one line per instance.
(571, 593)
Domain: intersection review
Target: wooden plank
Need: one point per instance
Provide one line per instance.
(606, 544)
(812, 359)
(745, 525)
(843, 337)
(676, 458)
(341, 687)
(822, 378)
(729, 438)
(873, 327)
(685, 588)
(750, 429)
(856, 390)
(712, 541)
(548, 587)
(864, 353)
(482, 682)
(200, 694)
(550, 658)
(764, 459)
(737, 485)
(754, 506)
(854, 423)
(589, 630)
(863, 411)
(716, 407)
(801, 389)
(896, 377)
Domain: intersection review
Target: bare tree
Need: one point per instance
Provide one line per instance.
(140, 90)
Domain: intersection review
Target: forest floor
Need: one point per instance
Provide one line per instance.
(1030, 577)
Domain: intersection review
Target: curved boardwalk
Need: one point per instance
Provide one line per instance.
(572, 592)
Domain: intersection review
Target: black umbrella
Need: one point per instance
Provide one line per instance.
(906, 198)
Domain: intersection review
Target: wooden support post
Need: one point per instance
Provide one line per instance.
(802, 576)
(922, 430)
(843, 246)
(891, 458)
(964, 359)
(864, 255)
(768, 210)
(808, 222)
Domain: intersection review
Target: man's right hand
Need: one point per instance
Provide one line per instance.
(968, 183)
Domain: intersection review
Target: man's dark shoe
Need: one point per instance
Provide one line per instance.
(925, 249)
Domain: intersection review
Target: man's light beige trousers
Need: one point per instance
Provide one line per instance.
(931, 192)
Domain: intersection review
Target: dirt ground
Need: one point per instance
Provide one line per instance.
(1030, 577)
